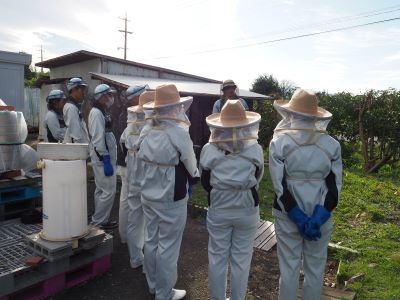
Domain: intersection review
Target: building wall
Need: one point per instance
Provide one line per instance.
(117, 68)
(80, 69)
(12, 84)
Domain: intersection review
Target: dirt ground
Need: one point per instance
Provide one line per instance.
(121, 282)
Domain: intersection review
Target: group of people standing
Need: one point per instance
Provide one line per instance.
(161, 168)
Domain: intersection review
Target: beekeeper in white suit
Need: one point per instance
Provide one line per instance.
(103, 154)
(131, 98)
(54, 124)
(169, 165)
(306, 169)
(231, 166)
(135, 226)
(76, 126)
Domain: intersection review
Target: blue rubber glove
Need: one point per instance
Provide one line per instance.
(318, 218)
(297, 216)
(108, 169)
(312, 231)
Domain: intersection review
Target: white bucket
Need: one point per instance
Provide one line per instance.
(64, 200)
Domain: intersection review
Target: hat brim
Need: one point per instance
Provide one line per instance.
(152, 104)
(284, 105)
(214, 120)
(228, 86)
(136, 109)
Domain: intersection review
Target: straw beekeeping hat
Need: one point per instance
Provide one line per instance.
(233, 115)
(166, 95)
(303, 103)
(145, 97)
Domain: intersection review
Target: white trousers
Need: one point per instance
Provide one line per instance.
(292, 251)
(103, 195)
(135, 228)
(161, 248)
(231, 239)
(123, 203)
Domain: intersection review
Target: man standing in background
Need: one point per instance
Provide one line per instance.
(229, 92)
(76, 127)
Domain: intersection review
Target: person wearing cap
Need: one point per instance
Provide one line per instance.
(76, 126)
(135, 227)
(231, 167)
(131, 96)
(169, 166)
(54, 122)
(103, 154)
(229, 92)
(306, 170)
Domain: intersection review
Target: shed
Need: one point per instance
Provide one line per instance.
(12, 66)
(96, 68)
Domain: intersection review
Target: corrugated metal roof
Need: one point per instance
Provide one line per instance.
(83, 55)
(184, 87)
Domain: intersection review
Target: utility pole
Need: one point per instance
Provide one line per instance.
(125, 31)
(41, 56)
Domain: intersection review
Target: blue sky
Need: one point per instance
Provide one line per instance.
(166, 32)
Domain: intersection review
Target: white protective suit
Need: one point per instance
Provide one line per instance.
(102, 142)
(76, 127)
(54, 126)
(231, 179)
(135, 224)
(166, 151)
(122, 172)
(306, 161)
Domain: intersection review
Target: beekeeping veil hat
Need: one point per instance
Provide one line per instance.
(301, 113)
(234, 128)
(168, 106)
(136, 114)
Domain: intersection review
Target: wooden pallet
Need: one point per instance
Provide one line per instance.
(265, 236)
(50, 286)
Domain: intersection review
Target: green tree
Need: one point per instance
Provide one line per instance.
(266, 84)
(31, 76)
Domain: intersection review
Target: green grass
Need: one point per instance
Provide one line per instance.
(367, 219)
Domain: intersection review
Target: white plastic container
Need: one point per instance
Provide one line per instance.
(64, 192)
(64, 200)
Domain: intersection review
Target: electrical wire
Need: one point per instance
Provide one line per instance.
(281, 39)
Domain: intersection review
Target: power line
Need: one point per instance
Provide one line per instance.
(348, 18)
(282, 39)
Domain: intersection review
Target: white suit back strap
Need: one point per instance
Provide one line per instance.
(158, 164)
(303, 179)
(232, 189)
(311, 141)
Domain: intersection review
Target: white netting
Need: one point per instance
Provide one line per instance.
(171, 115)
(293, 122)
(234, 139)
